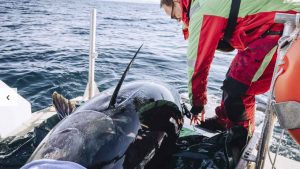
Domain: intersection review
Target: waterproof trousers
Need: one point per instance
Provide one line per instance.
(249, 74)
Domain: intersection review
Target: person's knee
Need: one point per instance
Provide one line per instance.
(233, 93)
(233, 87)
(235, 109)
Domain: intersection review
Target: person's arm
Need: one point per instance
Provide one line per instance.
(205, 33)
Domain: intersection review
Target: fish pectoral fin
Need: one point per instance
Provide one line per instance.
(63, 106)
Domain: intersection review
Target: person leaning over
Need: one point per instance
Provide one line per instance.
(253, 33)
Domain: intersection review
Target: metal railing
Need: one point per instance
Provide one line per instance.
(91, 88)
(290, 21)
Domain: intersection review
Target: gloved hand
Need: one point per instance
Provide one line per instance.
(197, 115)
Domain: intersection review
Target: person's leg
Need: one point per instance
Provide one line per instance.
(238, 107)
(249, 74)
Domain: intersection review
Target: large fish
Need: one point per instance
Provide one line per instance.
(123, 128)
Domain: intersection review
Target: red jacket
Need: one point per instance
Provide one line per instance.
(205, 26)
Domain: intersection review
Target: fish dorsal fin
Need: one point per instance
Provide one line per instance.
(117, 89)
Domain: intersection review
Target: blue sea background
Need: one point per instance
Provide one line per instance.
(44, 47)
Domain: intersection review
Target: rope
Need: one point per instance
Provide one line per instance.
(277, 151)
(270, 159)
(279, 145)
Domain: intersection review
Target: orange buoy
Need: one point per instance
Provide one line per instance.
(287, 85)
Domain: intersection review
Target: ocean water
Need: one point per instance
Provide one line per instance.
(44, 48)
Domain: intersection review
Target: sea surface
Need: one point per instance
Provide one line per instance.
(44, 47)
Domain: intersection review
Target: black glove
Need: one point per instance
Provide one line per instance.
(196, 110)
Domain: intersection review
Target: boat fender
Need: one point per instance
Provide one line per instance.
(287, 92)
